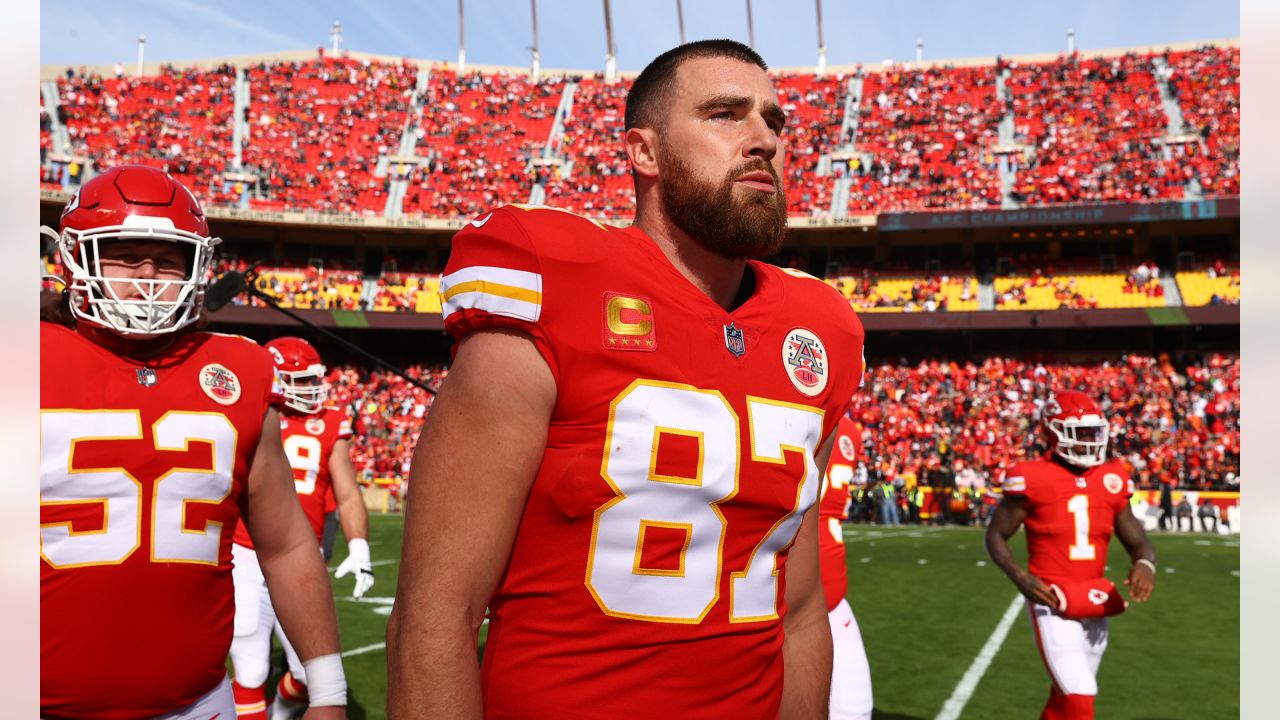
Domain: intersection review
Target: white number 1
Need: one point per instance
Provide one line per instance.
(1078, 505)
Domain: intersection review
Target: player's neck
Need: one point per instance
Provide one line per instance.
(133, 349)
(718, 277)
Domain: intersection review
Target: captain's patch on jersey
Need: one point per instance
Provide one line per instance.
(220, 384)
(629, 323)
(1113, 483)
(315, 426)
(804, 357)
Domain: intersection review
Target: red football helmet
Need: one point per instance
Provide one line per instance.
(301, 372)
(1075, 428)
(139, 203)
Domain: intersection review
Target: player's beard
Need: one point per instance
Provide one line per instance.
(720, 219)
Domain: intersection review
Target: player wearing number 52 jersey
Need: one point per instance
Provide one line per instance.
(153, 440)
(317, 443)
(850, 674)
(623, 465)
(1071, 502)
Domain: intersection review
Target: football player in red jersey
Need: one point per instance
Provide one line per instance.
(850, 673)
(317, 443)
(624, 463)
(1070, 502)
(154, 439)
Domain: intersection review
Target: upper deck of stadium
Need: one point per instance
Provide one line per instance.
(371, 140)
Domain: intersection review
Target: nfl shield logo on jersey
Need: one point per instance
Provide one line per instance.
(734, 341)
(315, 426)
(804, 358)
(146, 377)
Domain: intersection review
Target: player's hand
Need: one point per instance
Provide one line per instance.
(1035, 589)
(1141, 582)
(325, 713)
(358, 562)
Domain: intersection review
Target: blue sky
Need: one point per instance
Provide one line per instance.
(571, 32)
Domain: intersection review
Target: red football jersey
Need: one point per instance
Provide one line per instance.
(142, 469)
(308, 443)
(1069, 516)
(833, 508)
(648, 571)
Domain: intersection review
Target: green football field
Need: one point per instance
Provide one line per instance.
(928, 601)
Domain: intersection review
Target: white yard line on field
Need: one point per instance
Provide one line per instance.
(365, 649)
(960, 696)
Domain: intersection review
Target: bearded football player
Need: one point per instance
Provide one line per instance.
(1071, 501)
(155, 439)
(317, 441)
(624, 463)
(851, 697)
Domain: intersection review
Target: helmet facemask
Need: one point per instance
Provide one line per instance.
(304, 390)
(96, 299)
(1081, 441)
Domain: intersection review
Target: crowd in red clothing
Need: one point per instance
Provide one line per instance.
(317, 129)
(1206, 82)
(179, 121)
(1085, 130)
(1176, 423)
(476, 137)
(1171, 422)
(929, 134)
(1093, 126)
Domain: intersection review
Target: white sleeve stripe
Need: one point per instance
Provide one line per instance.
(492, 275)
(494, 305)
(1015, 484)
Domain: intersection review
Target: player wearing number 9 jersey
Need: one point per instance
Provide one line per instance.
(1071, 502)
(623, 465)
(154, 440)
(317, 442)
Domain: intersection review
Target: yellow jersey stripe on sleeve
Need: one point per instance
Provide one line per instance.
(496, 290)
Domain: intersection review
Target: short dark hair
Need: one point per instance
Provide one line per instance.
(647, 98)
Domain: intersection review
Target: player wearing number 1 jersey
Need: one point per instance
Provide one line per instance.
(153, 440)
(624, 464)
(850, 674)
(317, 443)
(1071, 502)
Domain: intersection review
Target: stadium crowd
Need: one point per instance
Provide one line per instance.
(1172, 421)
(1084, 130)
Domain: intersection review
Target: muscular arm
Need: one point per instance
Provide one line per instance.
(1142, 579)
(1005, 521)
(287, 549)
(806, 644)
(346, 491)
(472, 469)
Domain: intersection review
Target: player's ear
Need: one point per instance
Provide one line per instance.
(642, 151)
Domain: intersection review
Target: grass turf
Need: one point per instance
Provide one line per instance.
(926, 600)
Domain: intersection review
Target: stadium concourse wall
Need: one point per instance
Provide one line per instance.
(50, 72)
(431, 238)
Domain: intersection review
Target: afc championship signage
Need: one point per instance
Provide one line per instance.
(1064, 215)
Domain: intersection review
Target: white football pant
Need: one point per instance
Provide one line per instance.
(255, 620)
(850, 673)
(1072, 649)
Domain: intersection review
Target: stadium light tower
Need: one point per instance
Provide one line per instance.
(680, 19)
(335, 36)
(1071, 40)
(142, 44)
(537, 58)
(919, 53)
(822, 45)
(751, 28)
(462, 42)
(611, 54)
